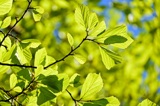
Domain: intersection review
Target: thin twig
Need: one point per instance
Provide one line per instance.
(17, 21)
(75, 101)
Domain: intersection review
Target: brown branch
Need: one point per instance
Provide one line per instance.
(17, 65)
(69, 54)
(17, 21)
(75, 101)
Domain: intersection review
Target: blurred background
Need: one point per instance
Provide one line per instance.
(136, 78)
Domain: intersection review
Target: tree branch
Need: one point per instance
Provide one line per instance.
(17, 21)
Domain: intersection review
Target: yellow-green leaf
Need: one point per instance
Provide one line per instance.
(13, 81)
(106, 59)
(70, 39)
(92, 85)
(17, 89)
(6, 22)
(147, 102)
(80, 58)
(5, 6)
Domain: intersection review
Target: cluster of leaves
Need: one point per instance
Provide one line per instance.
(33, 74)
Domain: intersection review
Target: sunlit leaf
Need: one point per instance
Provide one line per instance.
(80, 58)
(38, 70)
(106, 59)
(114, 39)
(92, 85)
(81, 16)
(120, 31)
(4, 69)
(6, 22)
(112, 101)
(99, 28)
(147, 102)
(34, 43)
(92, 21)
(39, 9)
(13, 81)
(70, 39)
(40, 56)
(5, 6)
(17, 89)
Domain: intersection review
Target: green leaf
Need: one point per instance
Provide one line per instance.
(74, 80)
(4, 69)
(57, 83)
(92, 21)
(114, 39)
(17, 89)
(112, 101)
(37, 13)
(106, 59)
(24, 55)
(44, 96)
(6, 22)
(81, 16)
(98, 29)
(120, 31)
(5, 6)
(80, 58)
(92, 85)
(32, 101)
(34, 43)
(100, 102)
(70, 39)
(39, 9)
(116, 57)
(147, 102)
(40, 56)
(13, 81)
(10, 53)
(38, 70)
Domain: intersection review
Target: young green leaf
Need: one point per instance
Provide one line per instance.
(92, 21)
(112, 101)
(37, 13)
(34, 43)
(80, 58)
(147, 102)
(98, 29)
(17, 89)
(106, 59)
(70, 39)
(38, 70)
(114, 39)
(13, 81)
(40, 56)
(74, 80)
(92, 85)
(5, 6)
(81, 16)
(6, 22)
(120, 31)
(24, 55)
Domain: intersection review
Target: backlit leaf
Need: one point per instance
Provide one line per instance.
(81, 16)
(147, 102)
(13, 81)
(5, 6)
(120, 31)
(80, 58)
(98, 29)
(92, 21)
(6, 22)
(112, 101)
(70, 39)
(40, 56)
(106, 59)
(92, 85)
(17, 89)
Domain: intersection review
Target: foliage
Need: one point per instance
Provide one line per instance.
(30, 76)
